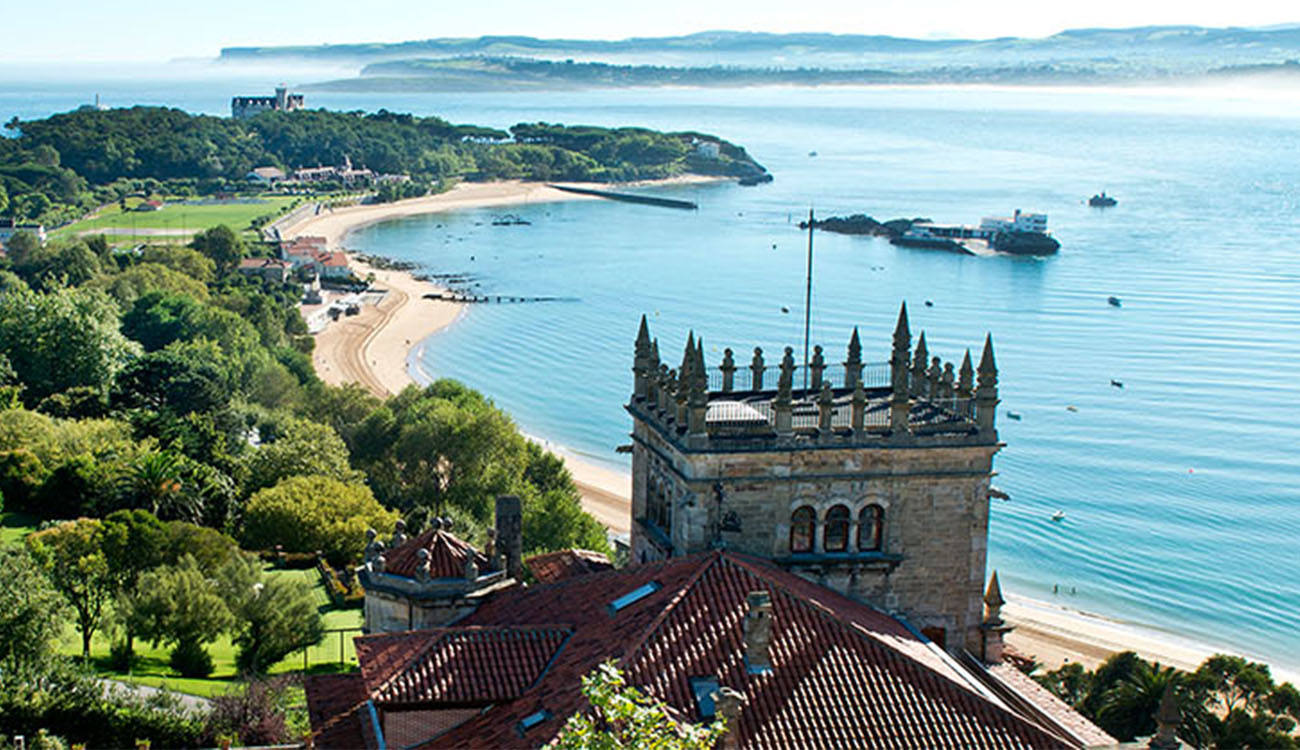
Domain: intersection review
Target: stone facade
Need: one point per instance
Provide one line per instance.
(874, 484)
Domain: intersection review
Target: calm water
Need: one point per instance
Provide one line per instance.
(1182, 490)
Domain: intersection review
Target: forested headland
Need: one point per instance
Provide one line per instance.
(59, 168)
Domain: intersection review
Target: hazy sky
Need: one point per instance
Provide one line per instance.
(79, 30)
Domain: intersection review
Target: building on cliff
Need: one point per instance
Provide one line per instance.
(282, 101)
(808, 562)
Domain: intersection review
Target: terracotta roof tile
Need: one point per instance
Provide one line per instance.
(556, 566)
(843, 673)
(334, 702)
(447, 556)
(460, 665)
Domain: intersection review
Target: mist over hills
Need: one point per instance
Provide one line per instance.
(755, 58)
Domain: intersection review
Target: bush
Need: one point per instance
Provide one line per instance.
(305, 514)
(190, 659)
(21, 475)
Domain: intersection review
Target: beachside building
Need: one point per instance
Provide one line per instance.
(282, 101)
(269, 269)
(772, 520)
(265, 175)
(870, 479)
(9, 227)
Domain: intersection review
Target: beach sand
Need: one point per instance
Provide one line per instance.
(372, 348)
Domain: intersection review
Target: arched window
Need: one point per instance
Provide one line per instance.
(837, 529)
(871, 528)
(801, 529)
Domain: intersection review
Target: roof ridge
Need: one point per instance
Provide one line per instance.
(709, 561)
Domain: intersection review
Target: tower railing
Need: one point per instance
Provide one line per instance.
(874, 375)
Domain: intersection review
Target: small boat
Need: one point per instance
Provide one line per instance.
(812, 153)
(1114, 302)
(1058, 516)
(1013, 415)
(999, 494)
(1101, 200)
(1071, 408)
(1117, 383)
(509, 220)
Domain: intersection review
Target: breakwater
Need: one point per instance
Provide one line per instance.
(649, 200)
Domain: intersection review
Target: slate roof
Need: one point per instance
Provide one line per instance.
(447, 555)
(843, 674)
(556, 566)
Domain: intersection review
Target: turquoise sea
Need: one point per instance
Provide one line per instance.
(1181, 490)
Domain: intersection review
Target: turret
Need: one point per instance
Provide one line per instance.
(986, 391)
(853, 365)
(641, 362)
(900, 401)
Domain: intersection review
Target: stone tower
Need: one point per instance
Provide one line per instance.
(873, 480)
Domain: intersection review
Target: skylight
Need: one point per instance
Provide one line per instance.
(634, 596)
(704, 688)
(533, 719)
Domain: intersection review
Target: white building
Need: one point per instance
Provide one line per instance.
(10, 227)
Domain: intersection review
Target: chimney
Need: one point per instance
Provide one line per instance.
(510, 534)
(758, 632)
(729, 705)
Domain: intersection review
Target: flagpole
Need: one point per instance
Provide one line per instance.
(807, 303)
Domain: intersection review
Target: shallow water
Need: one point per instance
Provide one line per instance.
(1181, 490)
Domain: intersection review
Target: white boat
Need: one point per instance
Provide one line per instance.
(1058, 515)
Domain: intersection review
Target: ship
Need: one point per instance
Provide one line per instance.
(1101, 200)
(1020, 234)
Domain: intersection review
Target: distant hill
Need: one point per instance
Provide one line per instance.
(1142, 51)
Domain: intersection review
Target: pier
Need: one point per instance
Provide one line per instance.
(648, 200)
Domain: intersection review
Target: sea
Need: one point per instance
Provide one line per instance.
(1165, 429)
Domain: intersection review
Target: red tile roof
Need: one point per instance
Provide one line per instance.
(457, 665)
(556, 566)
(843, 674)
(447, 556)
(334, 706)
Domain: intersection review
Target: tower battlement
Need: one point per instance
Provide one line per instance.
(913, 398)
(871, 478)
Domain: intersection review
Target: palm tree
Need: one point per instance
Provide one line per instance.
(1128, 709)
(156, 484)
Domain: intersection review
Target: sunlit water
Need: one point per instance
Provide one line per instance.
(1181, 490)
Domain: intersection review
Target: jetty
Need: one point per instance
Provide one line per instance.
(648, 200)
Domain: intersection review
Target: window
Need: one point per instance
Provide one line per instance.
(801, 529)
(871, 528)
(837, 529)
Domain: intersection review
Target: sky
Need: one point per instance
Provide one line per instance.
(82, 31)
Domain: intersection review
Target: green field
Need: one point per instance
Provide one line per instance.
(14, 526)
(176, 218)
(152, 667)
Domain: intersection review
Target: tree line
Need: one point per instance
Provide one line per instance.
(57, 168)
(162, 424)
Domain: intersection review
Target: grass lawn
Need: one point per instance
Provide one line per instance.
(14, 526)
(175, 218)
(153, 669)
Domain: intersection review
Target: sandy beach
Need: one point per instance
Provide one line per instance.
(372, 349)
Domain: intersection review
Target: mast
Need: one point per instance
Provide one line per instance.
(807, 302)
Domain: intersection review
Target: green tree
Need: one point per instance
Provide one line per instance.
(73, 558)
(182, 606)
(31, 613)
(135, 542)
(222, 245)
(61, 339)
(274, 616)
(306, 514)
(624, 717)
(21, 246)
(298, 447)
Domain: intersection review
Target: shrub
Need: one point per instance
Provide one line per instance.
(305, 514)
(190, 659)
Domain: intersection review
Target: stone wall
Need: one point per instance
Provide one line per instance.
(935, 501)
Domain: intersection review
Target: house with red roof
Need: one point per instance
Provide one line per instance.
(270, 269)
(813, 668)
(807, 562)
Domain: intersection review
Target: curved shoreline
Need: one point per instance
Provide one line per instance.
(374, 348)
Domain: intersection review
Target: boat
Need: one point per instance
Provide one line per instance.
(1020, 234)
(1114, 302)
(510, 220)
(1058, 515)
(1101, 200)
